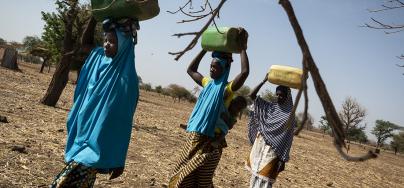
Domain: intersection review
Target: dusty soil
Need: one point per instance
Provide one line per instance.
(32, 144)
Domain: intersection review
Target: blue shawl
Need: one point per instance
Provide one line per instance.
(210, 100)
(99, 124)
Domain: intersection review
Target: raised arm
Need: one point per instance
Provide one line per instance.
(245, 67)
(253, 94)
(193, 68)
(245, 70)
(87, 39)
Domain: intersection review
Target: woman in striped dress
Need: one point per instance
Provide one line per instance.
(270, 136)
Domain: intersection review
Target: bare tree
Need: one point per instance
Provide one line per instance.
(388, 28)
(352, 114)
(308, 65)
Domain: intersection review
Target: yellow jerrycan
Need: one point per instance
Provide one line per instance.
(286, 76)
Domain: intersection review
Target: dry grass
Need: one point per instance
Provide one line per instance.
(155, 144)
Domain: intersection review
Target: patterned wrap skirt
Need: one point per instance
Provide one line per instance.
(197, 163)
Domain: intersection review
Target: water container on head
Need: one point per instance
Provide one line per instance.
(286, 76)
(223, 39)
(115, 9)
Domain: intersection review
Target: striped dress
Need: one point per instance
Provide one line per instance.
(271, 140)
(269, 118)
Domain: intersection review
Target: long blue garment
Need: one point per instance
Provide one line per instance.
(210, 100)
(99, 124)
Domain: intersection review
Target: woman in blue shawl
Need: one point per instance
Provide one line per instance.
(100, 121)
(199, 158)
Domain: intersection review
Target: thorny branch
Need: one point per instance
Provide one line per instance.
(311, 67)
(389, 28)
(193, 14)
(393, 4)
(380, 25)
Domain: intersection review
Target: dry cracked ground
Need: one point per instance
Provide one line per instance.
(32, 143)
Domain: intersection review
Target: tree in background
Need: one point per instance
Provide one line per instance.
(159, 89)
(324, 125)
(2, 41)
(29, 43)
(45, 54)
(268, 95)
(397, 143)
(382, 131)
(146, 86)
(244, 91)
(358, 135)
(179, 92)
(352, 115)
(309, 122)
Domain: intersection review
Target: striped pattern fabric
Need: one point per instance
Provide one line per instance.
(269, 118)
(75, 175)
(197, 163)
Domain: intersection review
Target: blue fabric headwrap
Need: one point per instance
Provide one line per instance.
(99, 124)
(210, 100)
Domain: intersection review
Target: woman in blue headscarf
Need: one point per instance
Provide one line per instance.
(100, 121)
(199, 158)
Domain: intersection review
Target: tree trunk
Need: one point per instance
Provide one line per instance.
(61, 75)
(44, 63)
(58, 83)
(10, 59)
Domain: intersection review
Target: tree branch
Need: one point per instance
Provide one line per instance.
(399, 4)
(184, 34)
(320, 87)
(179, 9)
(213, 13)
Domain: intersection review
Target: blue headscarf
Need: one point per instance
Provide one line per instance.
(210, 101)
(99, 124)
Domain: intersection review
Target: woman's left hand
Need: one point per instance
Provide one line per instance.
(243, 34)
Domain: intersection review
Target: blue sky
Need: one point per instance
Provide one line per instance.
(353, 61)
